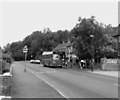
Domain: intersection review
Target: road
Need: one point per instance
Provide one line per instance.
(73, 84)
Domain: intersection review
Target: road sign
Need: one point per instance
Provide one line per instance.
(25, 49)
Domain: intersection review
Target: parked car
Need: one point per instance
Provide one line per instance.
(32, 61)
(37, 62)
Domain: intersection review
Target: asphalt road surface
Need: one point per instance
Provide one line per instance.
(64, 82)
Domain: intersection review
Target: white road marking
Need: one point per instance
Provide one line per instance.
(40, 72)
(117, 84)
(4, 97)
(51, 71)
(49, 84)
(47, 72)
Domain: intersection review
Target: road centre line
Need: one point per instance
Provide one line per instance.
(48, 84)
(40, 72)
(116, 84)
(47, 72)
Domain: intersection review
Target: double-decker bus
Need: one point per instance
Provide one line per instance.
(51, 59)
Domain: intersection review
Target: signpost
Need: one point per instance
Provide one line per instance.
(25, 50)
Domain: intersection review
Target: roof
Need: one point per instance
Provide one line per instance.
(47, 53)
(62, 47)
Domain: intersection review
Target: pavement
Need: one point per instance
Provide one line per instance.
(98, 71)
(106, 73)
(26, 85)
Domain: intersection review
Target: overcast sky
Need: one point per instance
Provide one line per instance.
(20, 19)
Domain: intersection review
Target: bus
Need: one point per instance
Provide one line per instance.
(51, 59)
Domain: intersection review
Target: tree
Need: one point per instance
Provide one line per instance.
(83, 42)
(39, 41)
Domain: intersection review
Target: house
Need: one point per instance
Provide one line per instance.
(65, 50)
(118, 43)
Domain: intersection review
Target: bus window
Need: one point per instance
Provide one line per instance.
(55, 57)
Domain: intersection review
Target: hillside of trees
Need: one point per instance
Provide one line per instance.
(103, 42)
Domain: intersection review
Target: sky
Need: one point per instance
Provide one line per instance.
(20, 19)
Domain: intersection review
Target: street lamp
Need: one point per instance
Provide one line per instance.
(25, 50)
(92, 47)
(118, 48)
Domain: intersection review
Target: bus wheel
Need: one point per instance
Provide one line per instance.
(61, 66)
(44, 65)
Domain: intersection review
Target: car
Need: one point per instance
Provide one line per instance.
(37, 62)
(32, 61)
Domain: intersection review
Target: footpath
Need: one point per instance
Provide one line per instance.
(98, 71)
(26, 85)
(106, 73)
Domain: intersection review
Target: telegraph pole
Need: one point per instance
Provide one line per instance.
(93, 58)
(118, 49)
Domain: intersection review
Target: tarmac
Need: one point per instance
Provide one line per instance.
(98, 71)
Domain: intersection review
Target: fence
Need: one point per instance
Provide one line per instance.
(109, 64)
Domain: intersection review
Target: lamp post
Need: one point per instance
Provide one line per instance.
(25, 50)
(92, 47)
(118, 48)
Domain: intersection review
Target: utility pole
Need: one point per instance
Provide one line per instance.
(118, 49)
(92, 47)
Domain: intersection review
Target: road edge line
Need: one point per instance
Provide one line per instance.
(48, 84)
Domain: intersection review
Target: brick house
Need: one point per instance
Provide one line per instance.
(65, 49)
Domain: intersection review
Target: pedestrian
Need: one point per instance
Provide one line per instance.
(82, 64)
(65, 64)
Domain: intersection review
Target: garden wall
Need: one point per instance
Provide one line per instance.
(109, 64)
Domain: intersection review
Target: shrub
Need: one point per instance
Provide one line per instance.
(7, 58)
(5, 63)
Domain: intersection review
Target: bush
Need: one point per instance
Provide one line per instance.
(5, 63)
(7, 58)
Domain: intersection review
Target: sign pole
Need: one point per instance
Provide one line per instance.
(25, 62)
(25, 50)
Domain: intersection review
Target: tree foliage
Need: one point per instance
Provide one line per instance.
(80, 35)
(102, 39)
